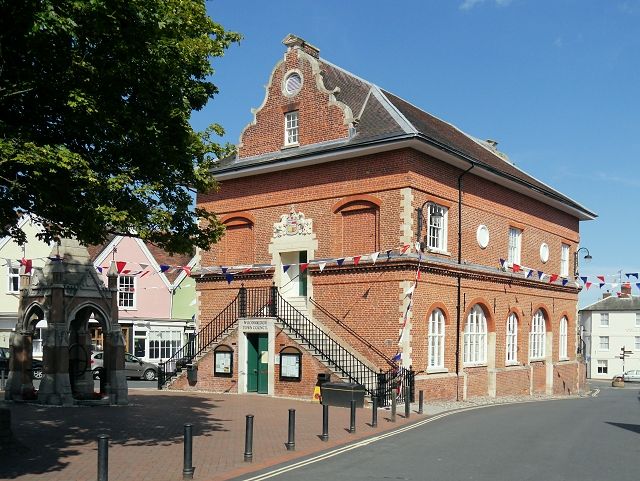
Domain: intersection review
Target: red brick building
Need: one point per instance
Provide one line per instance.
(389, 234)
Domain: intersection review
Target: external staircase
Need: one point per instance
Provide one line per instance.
(294, 319)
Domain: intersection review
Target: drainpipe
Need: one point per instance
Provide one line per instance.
(459, 280)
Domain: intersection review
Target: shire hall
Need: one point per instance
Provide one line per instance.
(371, 242)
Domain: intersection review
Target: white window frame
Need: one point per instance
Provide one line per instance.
(564, 323)
(603, 343)
(515, 246)
(163, 342)
(537, 337)
(637, 343)
(127, 292)
(437, 227)
(512, 339)
(604, 319)
(602, 366)
(564, 260)
(435, 340)
(637, 319)
(475, 338)
(13, 276)
(291, 125)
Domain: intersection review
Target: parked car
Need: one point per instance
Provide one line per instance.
(36, 364)
(632, 376)
(133, 367)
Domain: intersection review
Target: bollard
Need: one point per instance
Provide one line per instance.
(420, 402)
(103, 457)
(291, 440)
(407, 402)
(188, 469)
(374, 413)
(325, 423)
(352, 417)
(393, 406)
(248, 439)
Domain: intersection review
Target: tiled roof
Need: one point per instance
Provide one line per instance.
(382, 116)
(615, 303)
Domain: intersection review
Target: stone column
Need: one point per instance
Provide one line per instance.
(55, 387)
(116, 380)
(548, 363)
(80, 357)
(19, 382)
(491, 364)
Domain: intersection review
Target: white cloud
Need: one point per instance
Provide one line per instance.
(469, 4)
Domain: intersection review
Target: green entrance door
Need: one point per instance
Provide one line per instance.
(258, 363)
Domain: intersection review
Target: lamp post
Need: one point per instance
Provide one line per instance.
(436, 214)
(576, 258)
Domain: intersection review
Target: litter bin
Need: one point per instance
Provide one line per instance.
(340, 394)
(192, 373)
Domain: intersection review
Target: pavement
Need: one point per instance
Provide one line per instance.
(146, 437)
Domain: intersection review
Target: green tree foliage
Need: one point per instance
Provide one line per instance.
(95, 101)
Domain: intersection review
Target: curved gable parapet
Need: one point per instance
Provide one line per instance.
(321, 116)
(364, 200)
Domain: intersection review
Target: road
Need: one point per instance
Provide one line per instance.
(595, 438)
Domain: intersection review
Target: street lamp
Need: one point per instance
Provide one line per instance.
(436, 214)
(576, 256)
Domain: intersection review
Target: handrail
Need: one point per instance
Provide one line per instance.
(335, 319)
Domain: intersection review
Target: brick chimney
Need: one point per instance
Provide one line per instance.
(625, 290)
(606, 294)
(293, 41)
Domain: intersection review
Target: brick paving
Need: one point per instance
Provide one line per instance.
(146, 437)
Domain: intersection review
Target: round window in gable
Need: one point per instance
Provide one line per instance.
(544, 252)
(482, 236)
(293, 83)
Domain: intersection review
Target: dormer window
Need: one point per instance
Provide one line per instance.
(291, 128)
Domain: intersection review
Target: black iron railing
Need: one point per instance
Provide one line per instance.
(204, 338)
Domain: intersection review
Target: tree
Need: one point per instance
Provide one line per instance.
(95, 101)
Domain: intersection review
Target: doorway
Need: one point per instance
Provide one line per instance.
(294, 283)
(258, 362)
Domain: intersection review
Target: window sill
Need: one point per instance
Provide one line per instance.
(437, 370)
(438, 251)
(290, 146)
(564, 359)
(511, 364)
(537, 359)
(480, 364)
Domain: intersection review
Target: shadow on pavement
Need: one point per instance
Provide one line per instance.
(46, 438)
(631, 427)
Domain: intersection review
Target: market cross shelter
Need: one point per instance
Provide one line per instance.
(370, 237)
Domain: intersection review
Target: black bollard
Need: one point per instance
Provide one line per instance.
(188, 469)
(325, 423)
(374, 413)
(352, 417)
(248, 439)
(103, 457)
(420, 402)
(407, 402)
(291, 440)
(393, 406)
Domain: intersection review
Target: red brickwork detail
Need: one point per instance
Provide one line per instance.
(477, 382)
(539, 373)
(318, 121)
(438, 387)
(513, 381)
(566, 378)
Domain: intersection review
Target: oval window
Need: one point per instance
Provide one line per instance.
(292, 83)
(482, 236)
(544, 252)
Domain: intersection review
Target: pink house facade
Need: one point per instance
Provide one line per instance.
(146, 290)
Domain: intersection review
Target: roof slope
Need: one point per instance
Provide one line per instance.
(381, 116)
(615, 303)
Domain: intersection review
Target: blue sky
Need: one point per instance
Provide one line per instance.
(556, 82)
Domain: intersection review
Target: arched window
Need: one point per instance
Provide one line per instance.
(237, 245)
(563, 338)
(512, 338)
(537, 336)
(475, 337)
(435, 340)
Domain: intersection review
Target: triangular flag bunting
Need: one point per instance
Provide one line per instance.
(120, 265)
(164, 268)
(285, 267)
(322, 265)
(541, 275)
(638, 285)
(584, 279)
(418, 274)
(340, 261)
(587, 285)
(223, 269)
(601, 285)
(187, 270)
(356, 260)
(228, 277)
(143, 266)
(144, 274)
(125, 271)
(404, 248)
(634, 274)
(417, 247)
(99, 269)
(565, 282)
(516, 268)
(389, 254)
(553, 277)
(529, 273)
(601, 278)
(303, 267)
(28, 265)
(502, 261)
(374, 257)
